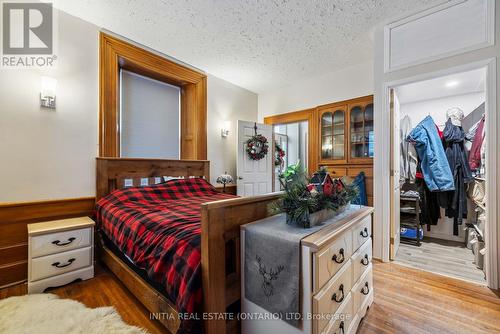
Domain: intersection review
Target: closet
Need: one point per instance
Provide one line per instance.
(442, 174)
(346, 139)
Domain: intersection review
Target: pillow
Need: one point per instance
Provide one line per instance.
(359, 182)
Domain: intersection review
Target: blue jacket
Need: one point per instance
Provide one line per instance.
(435, 166)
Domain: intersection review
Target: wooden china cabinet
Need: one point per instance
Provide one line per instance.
(346, 139)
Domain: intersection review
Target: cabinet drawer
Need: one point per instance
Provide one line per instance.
(336, 172)
(60, 242)
(340, 322)
(363, 288)
(329, 299)
(328, 260)
(361, 260)
(361, 232)
(56, 264)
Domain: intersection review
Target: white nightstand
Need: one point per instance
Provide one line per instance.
(59, 252)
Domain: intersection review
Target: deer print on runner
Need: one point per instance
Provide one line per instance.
(268, 276)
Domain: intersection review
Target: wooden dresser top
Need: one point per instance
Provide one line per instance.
(59, 225)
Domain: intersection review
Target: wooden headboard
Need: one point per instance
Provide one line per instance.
(112, 173)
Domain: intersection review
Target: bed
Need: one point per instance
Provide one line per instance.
(164, 270)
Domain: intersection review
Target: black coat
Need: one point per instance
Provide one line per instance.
(455, 202)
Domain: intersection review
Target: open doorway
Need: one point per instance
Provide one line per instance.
(291, 146)
(439, 175)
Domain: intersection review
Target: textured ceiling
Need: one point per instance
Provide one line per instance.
(256, 44)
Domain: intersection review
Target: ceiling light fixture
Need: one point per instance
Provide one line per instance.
(451, 84)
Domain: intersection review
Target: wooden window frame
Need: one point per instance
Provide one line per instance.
(116, 54)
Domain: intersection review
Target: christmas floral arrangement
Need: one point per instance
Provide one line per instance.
(308, 202)
(279, 155)
(257, 147)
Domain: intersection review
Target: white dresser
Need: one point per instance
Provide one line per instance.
(336, 276)
(59, 252)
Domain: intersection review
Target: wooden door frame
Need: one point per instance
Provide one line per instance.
(309, 115)
(116, 54)
(492, 233)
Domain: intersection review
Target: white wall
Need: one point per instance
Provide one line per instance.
(331, 87)
(49, 154)
(227, 104)
(436, 108)
(150, 118)
(382, 118)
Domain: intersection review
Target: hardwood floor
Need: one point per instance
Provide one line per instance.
(449, 258)
(414, 301)
(406, 301)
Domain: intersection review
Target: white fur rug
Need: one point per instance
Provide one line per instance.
(46, 313)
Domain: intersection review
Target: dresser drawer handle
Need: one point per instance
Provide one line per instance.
(340, 258)
(341, 328)
(70, 261)
(365, 290)
(364, 233)
(365, 261)
(58, 243)
(334, 296)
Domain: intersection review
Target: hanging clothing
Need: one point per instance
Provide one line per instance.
(455, 202)
(408, 161)
(429, 207)
(435, 167)
(475, 151)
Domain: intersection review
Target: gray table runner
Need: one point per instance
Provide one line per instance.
(272, 263)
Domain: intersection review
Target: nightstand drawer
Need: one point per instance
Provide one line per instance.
(330, 259)
(52, 265)
(51, 243)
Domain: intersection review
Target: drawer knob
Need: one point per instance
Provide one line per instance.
(339, 258)
(334, 296)
(364, 233)
(365, 260)
(59, 243)
(341, 328)
(59, 265)
(365, 290)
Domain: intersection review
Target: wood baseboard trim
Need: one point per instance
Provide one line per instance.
(14, 218)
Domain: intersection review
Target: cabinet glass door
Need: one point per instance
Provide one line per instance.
(369, 148)
(332, 135)
(326, 135)
(338, 135)
(358, 142)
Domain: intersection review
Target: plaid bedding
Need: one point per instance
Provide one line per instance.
(159, 228)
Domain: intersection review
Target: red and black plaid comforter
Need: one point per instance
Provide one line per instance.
(158, 228)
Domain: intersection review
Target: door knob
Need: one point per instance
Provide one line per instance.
(240, 178)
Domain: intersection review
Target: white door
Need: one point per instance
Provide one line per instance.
(254, 177)
(395, 174)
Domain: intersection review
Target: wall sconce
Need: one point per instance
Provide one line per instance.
(224, 132)
(48, 92)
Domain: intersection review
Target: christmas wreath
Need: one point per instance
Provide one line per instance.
(257, 146)
(279, 154)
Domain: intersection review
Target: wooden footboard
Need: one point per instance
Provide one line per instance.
(220, 245)
(220, 254)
